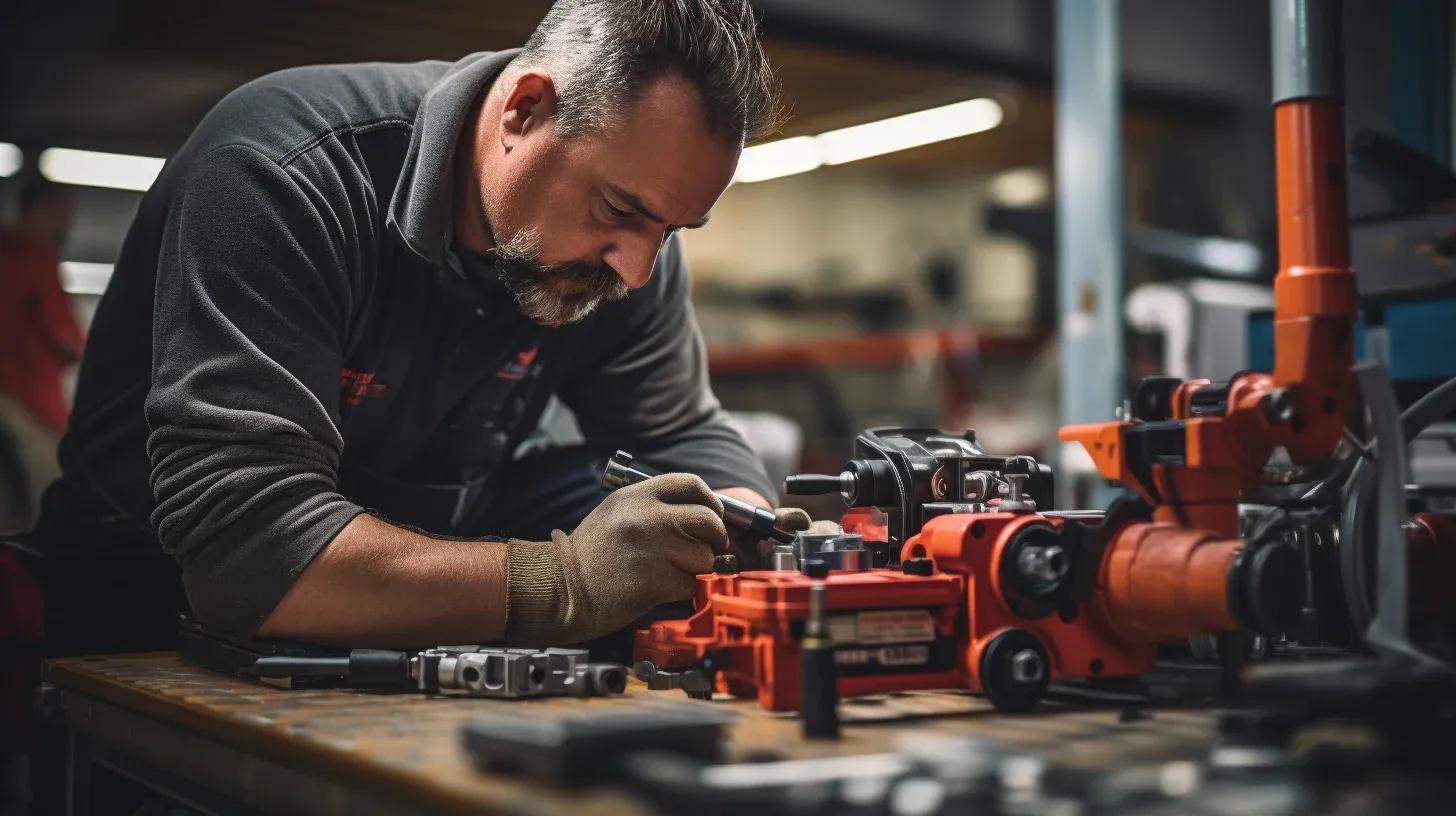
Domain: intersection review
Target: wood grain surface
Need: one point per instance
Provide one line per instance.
(406, 748)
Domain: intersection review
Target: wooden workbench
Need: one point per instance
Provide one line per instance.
(225, 744)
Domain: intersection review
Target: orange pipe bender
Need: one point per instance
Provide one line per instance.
(1302, 407)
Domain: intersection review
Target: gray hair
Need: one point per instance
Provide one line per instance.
(602, 53)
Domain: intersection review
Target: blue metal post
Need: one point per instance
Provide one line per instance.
(1089, 216)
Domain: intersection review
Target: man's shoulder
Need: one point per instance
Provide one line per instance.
(281, 113)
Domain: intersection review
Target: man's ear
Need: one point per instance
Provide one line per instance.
(530, 104)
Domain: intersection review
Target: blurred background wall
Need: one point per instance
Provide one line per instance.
(912, 288)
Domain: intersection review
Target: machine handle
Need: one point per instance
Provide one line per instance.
(811, 484)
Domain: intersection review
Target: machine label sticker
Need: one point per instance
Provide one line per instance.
(904, 655)
(895, 626)
(843, 629)
(915, 655)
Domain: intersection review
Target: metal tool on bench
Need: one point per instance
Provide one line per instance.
(511, 673)
(590, 746)
(469, 671)
(738, 514)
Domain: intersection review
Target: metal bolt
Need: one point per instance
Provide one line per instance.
(1278, 406)
(1016, 499)
(784, 558)
(1027, 666)
(1046, 565)
(978, 486)
(1018, 485)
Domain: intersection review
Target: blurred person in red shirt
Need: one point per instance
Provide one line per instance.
(39, 337)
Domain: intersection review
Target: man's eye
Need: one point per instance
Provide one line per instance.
(617, 212)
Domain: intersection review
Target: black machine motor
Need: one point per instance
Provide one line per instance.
(914, 474)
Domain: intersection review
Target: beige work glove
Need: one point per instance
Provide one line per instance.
(641, 547)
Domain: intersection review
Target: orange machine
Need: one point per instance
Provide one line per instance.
(1193, 450)
(982, 591)
(1026, 594)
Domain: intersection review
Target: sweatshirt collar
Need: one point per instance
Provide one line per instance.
(421, 210)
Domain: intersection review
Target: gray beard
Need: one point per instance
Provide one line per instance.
(535, 286)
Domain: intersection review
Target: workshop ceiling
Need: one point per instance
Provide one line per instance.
(135, 77)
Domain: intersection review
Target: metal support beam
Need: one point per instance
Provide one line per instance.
(1089, 218)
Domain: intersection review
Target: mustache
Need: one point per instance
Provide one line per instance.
(554, 294)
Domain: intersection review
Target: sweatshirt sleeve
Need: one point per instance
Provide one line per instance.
(648, 393)
(252, 304)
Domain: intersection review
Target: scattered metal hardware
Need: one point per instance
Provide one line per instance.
(939, 776)
(512, 673)
(589, 747)
(696, 682)
(473, 671)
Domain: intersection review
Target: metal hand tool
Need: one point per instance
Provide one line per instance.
(736, 513)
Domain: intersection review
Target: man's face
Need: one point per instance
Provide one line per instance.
(579, 220)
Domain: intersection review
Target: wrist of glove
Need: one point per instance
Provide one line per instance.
(641, 547)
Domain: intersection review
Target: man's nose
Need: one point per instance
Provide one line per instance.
(632, 260)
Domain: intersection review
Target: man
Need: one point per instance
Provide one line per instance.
(40, 338)
(368, 281)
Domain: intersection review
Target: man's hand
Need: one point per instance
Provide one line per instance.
(643, 546)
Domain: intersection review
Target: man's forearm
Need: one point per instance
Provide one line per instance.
(379, 585)
(749, 495)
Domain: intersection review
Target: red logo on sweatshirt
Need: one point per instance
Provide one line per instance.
(356, 385)
(521, 366)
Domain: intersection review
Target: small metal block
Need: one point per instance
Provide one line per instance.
(918, 566)
(816, 567)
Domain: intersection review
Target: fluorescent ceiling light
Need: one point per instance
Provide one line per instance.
(801, 154)
(78, 278)
(782, 158)
(10, 159)
(94, 169)
(1227, 255)
(1234, 257)
(1020, 187)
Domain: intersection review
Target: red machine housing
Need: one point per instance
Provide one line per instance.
(1080, 638)
(748, 626)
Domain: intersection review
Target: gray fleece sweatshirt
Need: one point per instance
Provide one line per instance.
(289, 338)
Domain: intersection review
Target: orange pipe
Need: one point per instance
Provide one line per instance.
(1314, 293)
(1310, 157)
(1163, 582)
